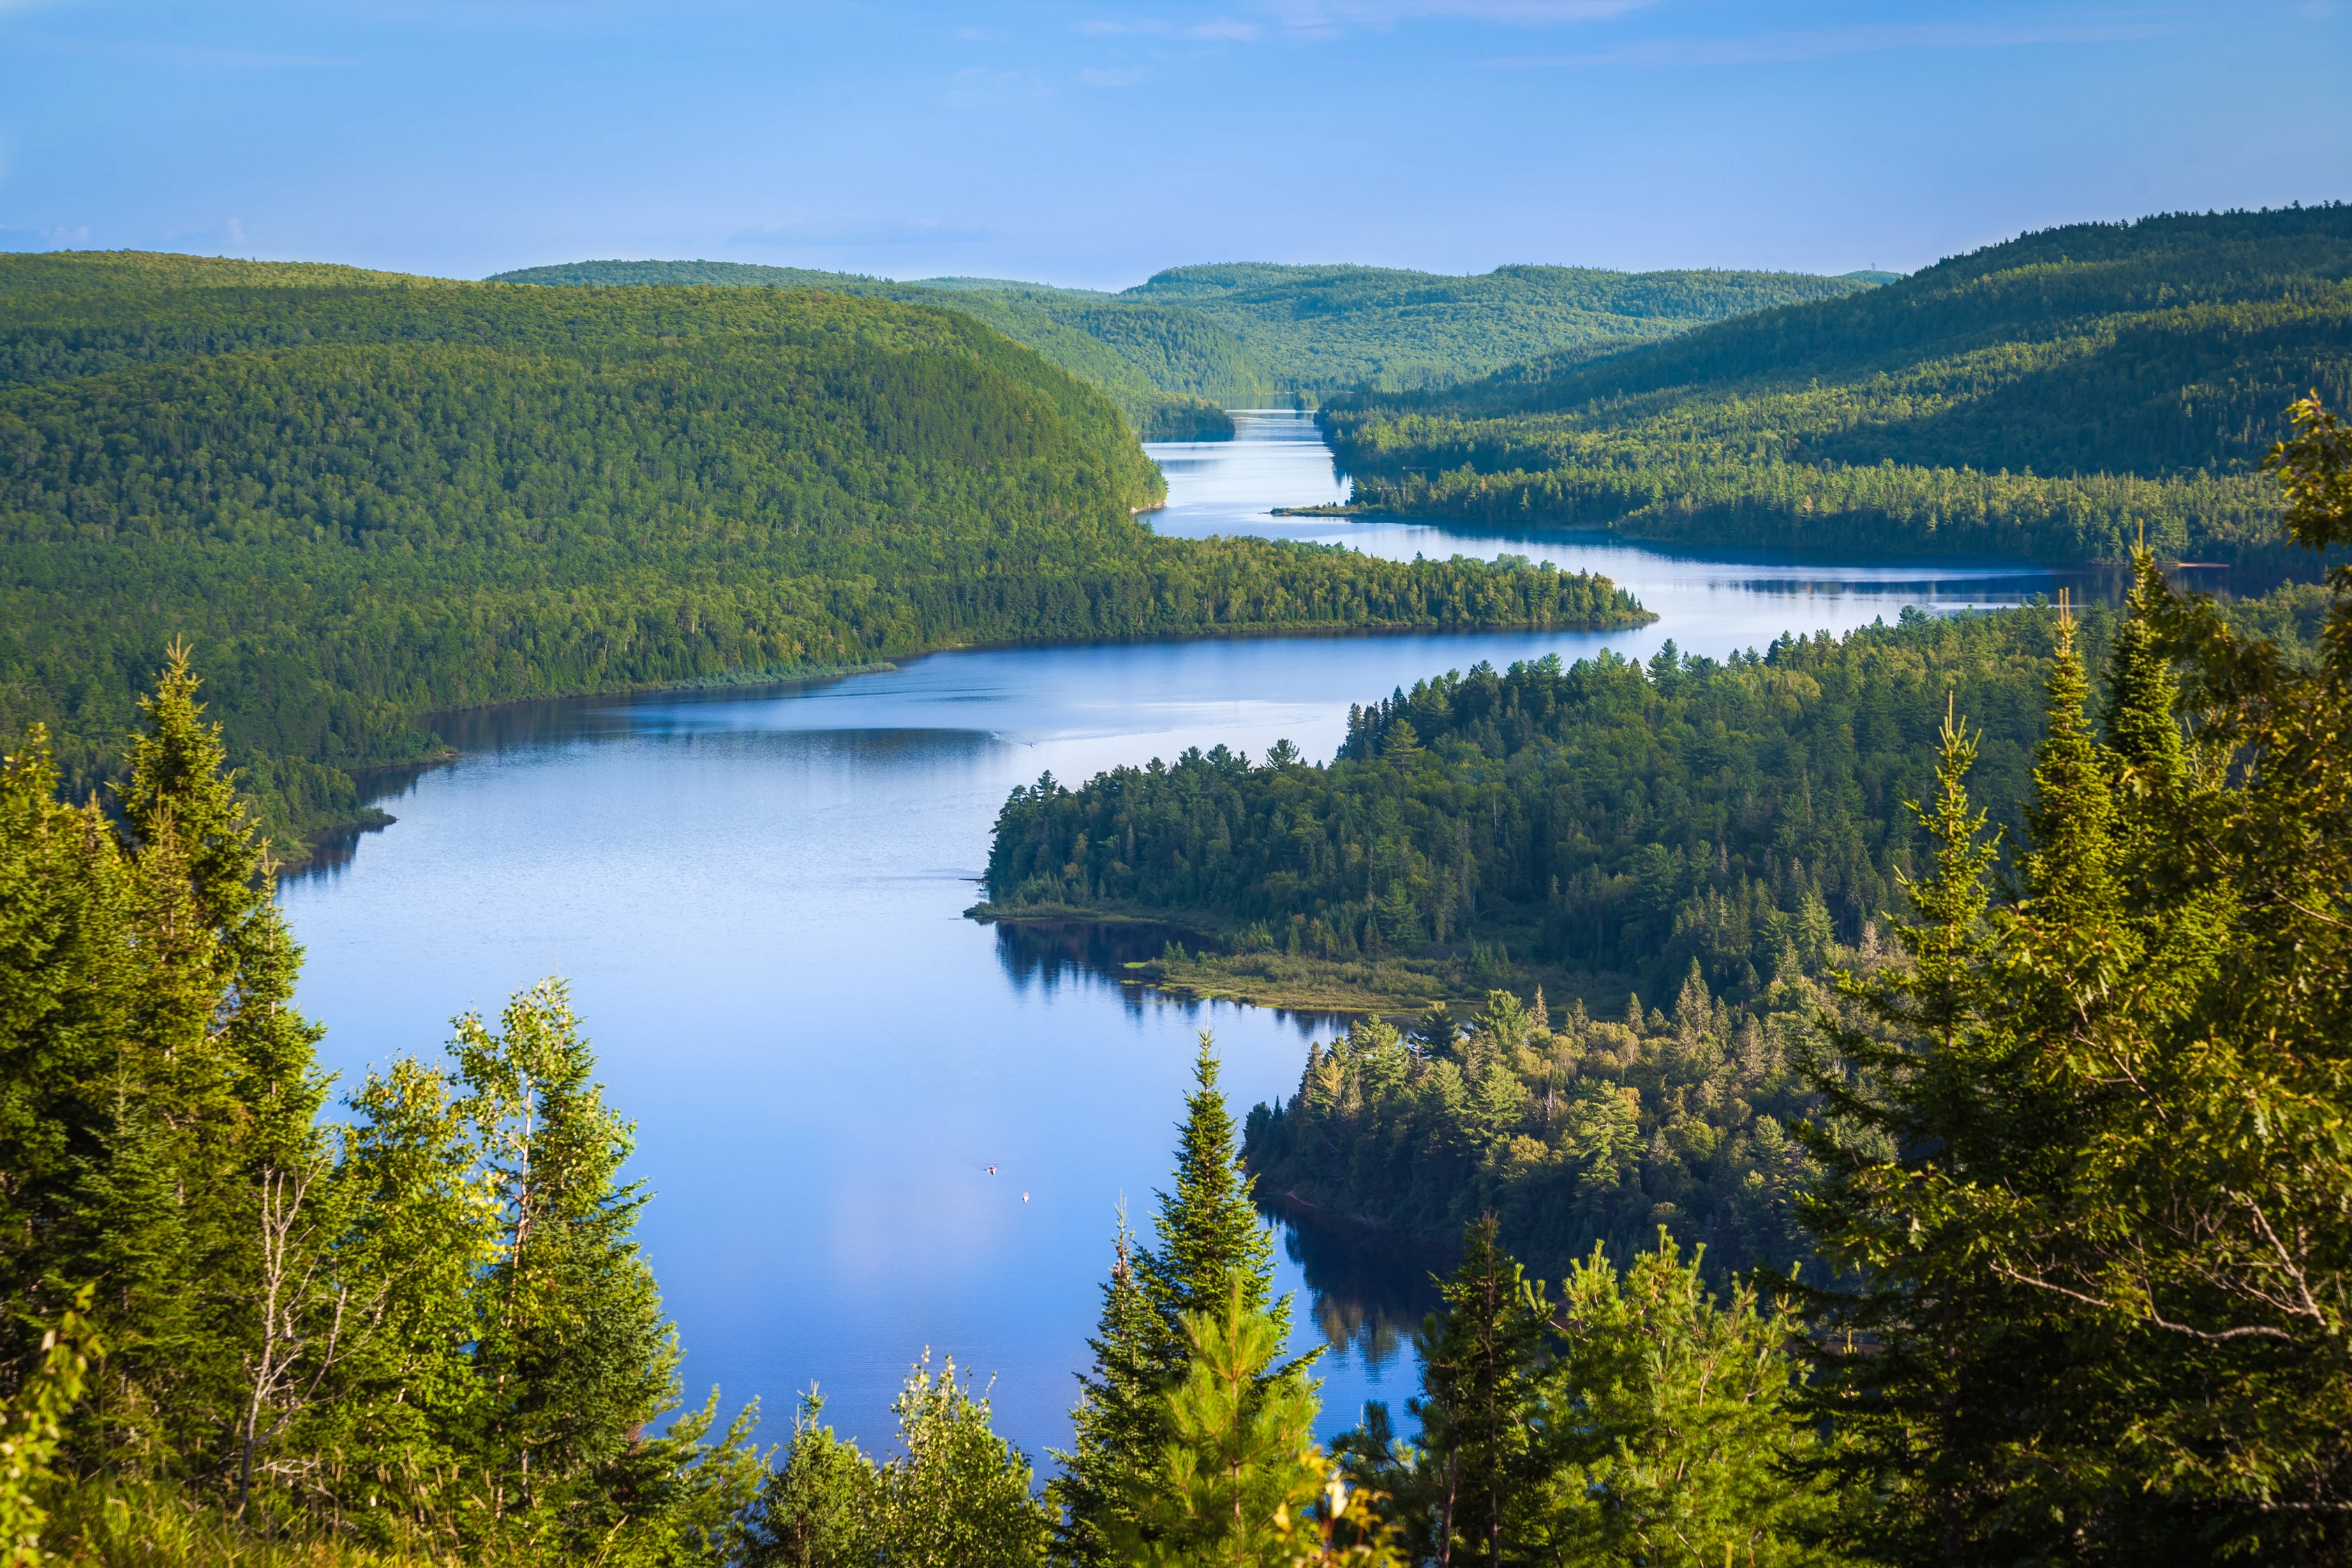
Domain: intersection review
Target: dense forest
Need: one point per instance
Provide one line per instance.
(1323, 329)
(1607, 820)
(370, 497)
(1172, 371)
(2048, 396)
(1171, 348)
(2066, 1173)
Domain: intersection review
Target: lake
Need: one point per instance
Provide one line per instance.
(757, 896)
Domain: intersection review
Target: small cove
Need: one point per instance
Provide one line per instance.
(757, 896)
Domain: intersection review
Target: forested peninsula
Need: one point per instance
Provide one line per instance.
(1177, 350)
(368, 497)
(2048, 397)
(1631, 882)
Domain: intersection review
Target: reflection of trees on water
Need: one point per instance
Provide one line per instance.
(1049, 954)
(1366, 1292)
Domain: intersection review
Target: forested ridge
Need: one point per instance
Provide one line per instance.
(369, 497)
(1172, 371)
(2048, 396)
(1191, 338)
(1325, 330)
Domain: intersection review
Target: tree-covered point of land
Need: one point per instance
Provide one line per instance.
(369, 497)
(2051, 396)
(1606, 817)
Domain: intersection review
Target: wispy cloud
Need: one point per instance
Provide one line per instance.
(834, 234)
(1771, 48)
(224, 235)
(1219, 30)
(44, 239)
(1344, 15)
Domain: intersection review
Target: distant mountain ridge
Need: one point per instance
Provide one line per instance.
(2048, 396)
(1190, 341)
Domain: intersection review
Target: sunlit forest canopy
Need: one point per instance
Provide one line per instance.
(2047, 396)
(369, 497)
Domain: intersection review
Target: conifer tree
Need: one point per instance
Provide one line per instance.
(572, 1349)
(1670, 1440)
(1211, 1243)
(1479, 1414)
(1208, 1233)
(813, 1509)
(1118, 1423)
(1239, 1455)
(1919, 1112)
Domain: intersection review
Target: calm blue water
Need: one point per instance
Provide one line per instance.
(758, 899)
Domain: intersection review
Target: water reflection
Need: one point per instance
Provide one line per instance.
(1366, 1290)
(1047, 952)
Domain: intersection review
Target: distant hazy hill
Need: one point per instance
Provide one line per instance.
(1242, 334)
(1328, 328)
(2046, 396)
(369, 497)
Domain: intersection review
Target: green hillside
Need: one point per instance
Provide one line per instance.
(2042, 397)
(369, 497)
(1245, 333)
(1322, 330)
(1171, 371)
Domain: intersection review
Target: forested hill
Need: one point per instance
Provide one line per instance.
(2041, 397)
(369, 497)
(1241, 334)
(1172, 371)
(1324, 330)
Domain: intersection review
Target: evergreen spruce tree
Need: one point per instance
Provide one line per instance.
(1116, 1424)
(1209, 1235)
(1479, 1407)
(1916, 1116)
(571, 1347)
(1671, 1439)
(1211, 1243)
(69, 971)
(816, 1508)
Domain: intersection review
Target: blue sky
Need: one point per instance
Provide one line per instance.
(1094, 144)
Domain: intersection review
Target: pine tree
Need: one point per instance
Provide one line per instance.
(1435, 1031)
(814, 1509)
(1916, 1120)
(2141, 715)
(1211, 1244)
(1117, 1424)
(1670, 1434)
(571, 1348)
(1209, 1234)
(1478, 1406)
(1239, 1458)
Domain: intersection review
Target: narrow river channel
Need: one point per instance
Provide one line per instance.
(757, 897)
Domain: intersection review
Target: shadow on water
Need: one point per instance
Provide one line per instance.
(1367, 1290)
